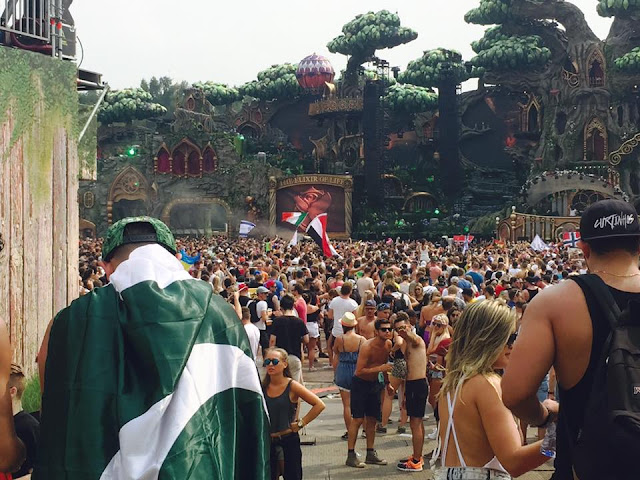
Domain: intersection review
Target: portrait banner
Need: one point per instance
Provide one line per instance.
(312, 195)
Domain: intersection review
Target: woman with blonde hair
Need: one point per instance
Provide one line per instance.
(282, 395)
(482, 439)
(360, 311)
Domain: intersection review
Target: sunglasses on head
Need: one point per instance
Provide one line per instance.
(386, 329)
(512, 339)
(270, 361)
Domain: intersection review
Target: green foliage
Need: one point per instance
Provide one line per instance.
(623, 8)
(491, 36)
(218, 93)
(370, 32)
(127, 105)
(524, 53)
(164, 91)
(629, 63)
(411, 99)
(277, 82)
(31, 398)
(430, 69)
(489, 12)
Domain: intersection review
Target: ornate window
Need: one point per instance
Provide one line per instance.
(162, 161)
(209, 159)
(595, 141)
(596, 67)
(583, 198)
(530, 115)
(186, 159)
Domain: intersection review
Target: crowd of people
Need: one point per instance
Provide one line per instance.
(490, 332)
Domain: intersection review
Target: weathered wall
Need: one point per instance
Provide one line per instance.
(234, 180)
(38, 195)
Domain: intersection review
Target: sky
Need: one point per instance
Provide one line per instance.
(231, 41)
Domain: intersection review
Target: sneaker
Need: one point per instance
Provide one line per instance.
(433, 435)
(373, 459)
(345, 436)
(364, 434)
(323, 355)
(410, 465)
(312, 369)
(353, 461)
(402, 430)
(381, 429)
(390, 421)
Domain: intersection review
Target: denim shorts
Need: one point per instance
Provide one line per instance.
(543, 390)
(469, 473)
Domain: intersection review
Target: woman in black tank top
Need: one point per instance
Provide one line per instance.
(282, 395)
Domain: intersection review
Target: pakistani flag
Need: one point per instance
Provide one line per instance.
(294, 218)
(151, 377)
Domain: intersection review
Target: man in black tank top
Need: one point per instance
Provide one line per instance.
(565, 328)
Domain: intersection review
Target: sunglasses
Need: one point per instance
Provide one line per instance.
(386, 329)
(512, 340)
(437, 324)
(270, 361)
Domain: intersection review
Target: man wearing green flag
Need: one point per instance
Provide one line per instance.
(151, 376)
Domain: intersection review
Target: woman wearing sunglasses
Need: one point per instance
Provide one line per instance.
(439, 341)
(282, 395)
(478, 434)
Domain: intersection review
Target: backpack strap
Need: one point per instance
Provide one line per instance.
(595, 285)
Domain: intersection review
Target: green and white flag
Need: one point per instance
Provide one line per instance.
(151, 377)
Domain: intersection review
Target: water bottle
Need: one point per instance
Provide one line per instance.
(548, 448)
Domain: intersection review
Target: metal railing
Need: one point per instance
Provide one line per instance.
(32, 25)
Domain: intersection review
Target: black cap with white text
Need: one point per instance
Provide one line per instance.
(609, 218)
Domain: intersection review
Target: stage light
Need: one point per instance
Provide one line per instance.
(437, 211)
(466, 229)
(132, 150)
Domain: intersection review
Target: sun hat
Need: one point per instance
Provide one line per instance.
(348, 320)
(116, 237)
(609, 218)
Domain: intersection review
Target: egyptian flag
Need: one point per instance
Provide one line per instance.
(294, 218)
(317, 230)
(151, 377)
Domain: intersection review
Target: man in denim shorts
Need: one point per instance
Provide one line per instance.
(365, 392)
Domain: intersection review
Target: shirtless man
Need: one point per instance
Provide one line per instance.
(566, 327)
(12, 452)
(416, 390)
(365, 392)
(366, 323)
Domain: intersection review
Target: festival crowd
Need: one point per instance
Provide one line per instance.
(481, 329)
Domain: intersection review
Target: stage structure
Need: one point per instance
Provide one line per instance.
(313, 194)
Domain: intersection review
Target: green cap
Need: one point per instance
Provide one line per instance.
(116, 237)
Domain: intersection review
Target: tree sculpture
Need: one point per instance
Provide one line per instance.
(129, 104)
(218, 93)
(545, 54)
(365, 34)
(411, 99)
(428, 70)
(277, 82)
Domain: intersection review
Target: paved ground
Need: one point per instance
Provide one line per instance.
(325, 459)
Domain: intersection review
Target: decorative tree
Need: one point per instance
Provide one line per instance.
(411, 99)
(544, 52)
(428, 70)
(365, 34)
(127, 105)
(277, 82)
(218, 93)
(164, 91)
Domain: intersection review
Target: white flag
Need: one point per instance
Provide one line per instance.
(245, 227)
(538, 244)
(294, 239)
